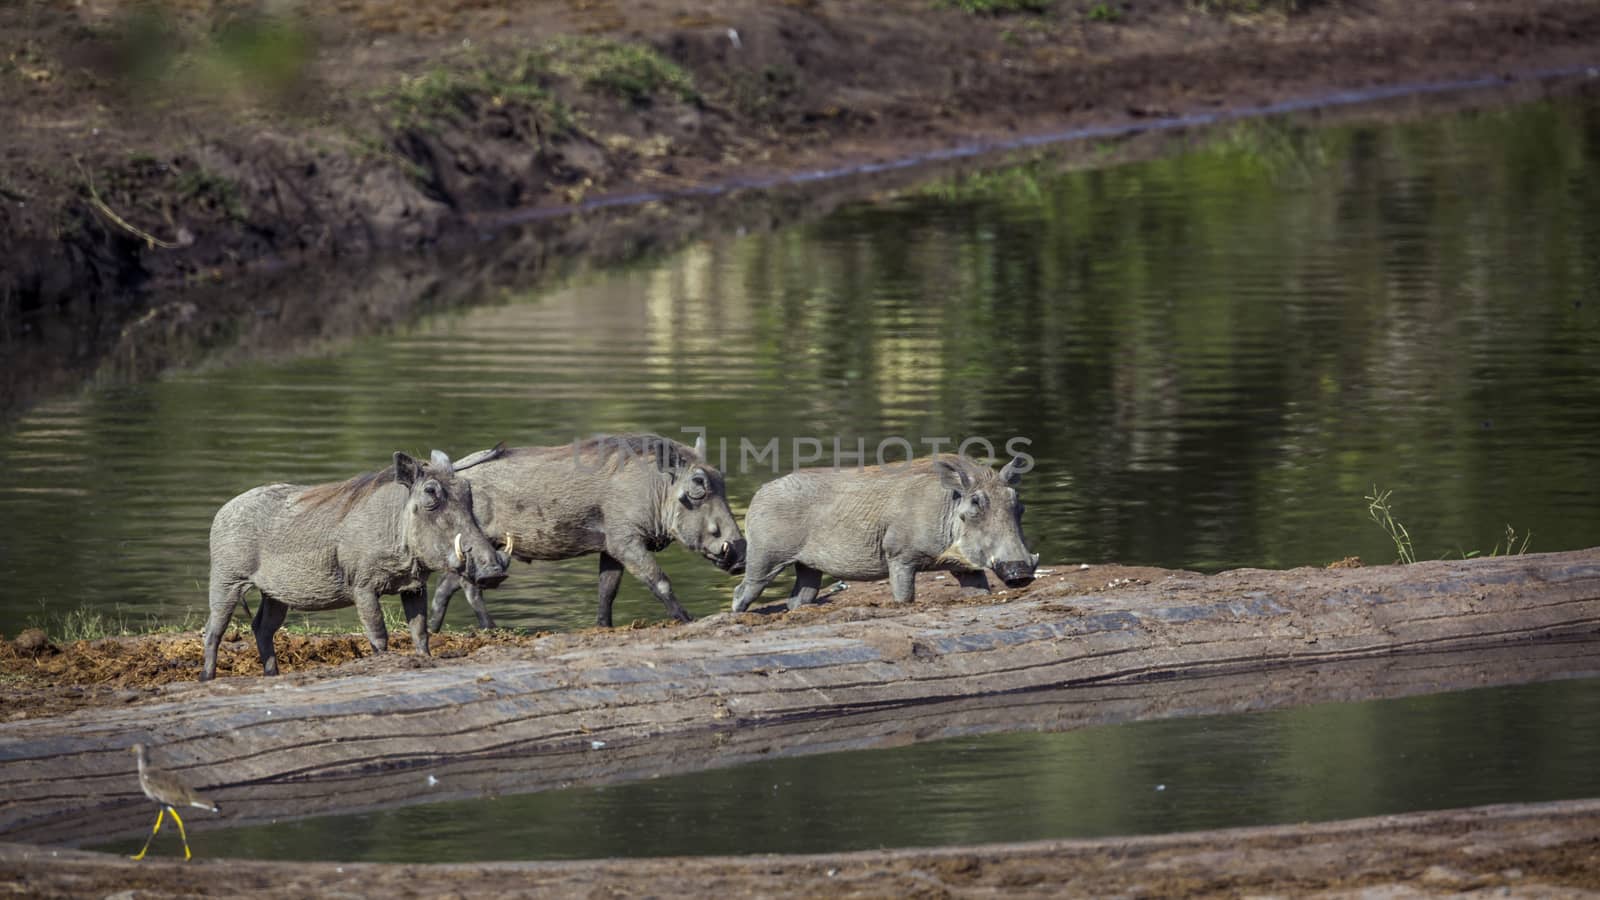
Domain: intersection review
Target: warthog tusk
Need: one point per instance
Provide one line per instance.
(510, 543)
(459, 556)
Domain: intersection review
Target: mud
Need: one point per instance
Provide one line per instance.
(111, 197)
(1538, 850)
(1080, 646)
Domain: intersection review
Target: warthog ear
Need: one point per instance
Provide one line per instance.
(406, 469)
(441, 461)
(951, 476)
(1012, 473)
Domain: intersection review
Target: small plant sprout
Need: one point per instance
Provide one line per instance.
(1379, 510)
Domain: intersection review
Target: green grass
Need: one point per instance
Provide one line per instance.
(1379, 511)
(1103, 12)
(631, 71)
(445, 93)
(1512, 544)
(1251, 7)
(84, 623)
(1382, 512)
(217, 191)
(996, 7)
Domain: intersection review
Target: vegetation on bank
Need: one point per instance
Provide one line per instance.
(1381, 511)
(88, 623)
(447, 93)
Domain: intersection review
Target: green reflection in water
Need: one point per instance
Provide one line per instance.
(1215, 356)
(1511, 744)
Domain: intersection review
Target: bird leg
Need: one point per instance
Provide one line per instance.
(181, 833)
(159, 813)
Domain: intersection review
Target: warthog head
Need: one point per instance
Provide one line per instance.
(439, 526)
(986, 526)
(699, 517)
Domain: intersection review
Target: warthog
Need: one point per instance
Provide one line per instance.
(895, 521)
(624, 497)
(342, 544)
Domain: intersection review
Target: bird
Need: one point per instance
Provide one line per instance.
(165, 789)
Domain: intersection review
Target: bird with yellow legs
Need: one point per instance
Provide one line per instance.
(165, 789)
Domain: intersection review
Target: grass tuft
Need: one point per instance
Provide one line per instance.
(1251, 7)
(1380, 512)
(633, 72)
(997, 7)
(87, 623)
(447, 94)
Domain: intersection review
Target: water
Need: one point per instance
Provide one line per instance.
(1215, 357)
(1509, 744)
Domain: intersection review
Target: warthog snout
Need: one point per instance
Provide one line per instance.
(730, 556)
(487, 568)
(1015, 574)
(488, 579)
(490, 569)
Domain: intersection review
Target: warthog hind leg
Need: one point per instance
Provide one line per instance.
(269, 618)
(806, 582)
(973, 582)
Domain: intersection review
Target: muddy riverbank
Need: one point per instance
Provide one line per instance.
(1103, 644)
(424, 125)
(1533, 850)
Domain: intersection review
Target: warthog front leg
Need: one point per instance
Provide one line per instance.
(448, 582)
(269, 618)
(372, 619)
(610, 583)
(973, 582)
(415, 604)
(806, 582)
(903, 581)
(641, 564)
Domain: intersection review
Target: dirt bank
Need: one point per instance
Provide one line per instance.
(1080, 647)
(1538, 850)
(194, 142)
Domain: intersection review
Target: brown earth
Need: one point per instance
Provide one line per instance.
(1549, 850)
(858, 671)
(206, 139)
(1078, 647)
(39, 677)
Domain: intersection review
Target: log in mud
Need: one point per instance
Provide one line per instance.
(1079, 646)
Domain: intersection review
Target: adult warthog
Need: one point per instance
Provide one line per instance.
(346, 543)
(867, 523)
(624, 497)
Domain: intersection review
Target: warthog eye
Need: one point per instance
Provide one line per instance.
(432, 495)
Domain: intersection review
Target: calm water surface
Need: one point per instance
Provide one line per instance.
(1525, 743)
(1215, 356)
